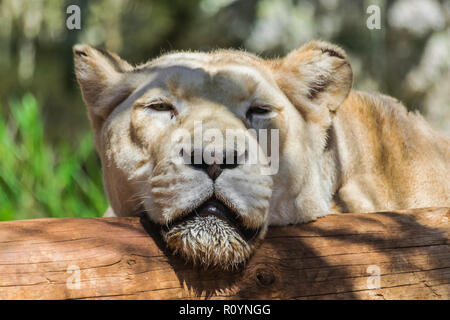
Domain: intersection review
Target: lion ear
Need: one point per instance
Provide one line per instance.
(102, 78)
(314, 76)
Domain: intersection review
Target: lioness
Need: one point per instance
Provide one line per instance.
(339, 150)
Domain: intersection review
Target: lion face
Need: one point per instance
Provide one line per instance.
(181, 139)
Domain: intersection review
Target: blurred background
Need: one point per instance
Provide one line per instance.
(48, 166)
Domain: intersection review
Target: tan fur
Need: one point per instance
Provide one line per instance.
(340, 150)
(398, 162)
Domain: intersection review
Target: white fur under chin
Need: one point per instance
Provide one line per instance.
(209, 242)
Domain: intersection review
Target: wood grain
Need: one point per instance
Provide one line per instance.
(336, 257)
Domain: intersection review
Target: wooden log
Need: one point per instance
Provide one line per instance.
(385, 255)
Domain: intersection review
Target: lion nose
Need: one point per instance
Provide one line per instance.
(213, 171)
(214, 165)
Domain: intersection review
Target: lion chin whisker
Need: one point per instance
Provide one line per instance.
(212, 236)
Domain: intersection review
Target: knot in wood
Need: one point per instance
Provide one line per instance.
(264, 277)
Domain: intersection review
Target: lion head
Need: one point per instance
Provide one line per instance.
(162, 130)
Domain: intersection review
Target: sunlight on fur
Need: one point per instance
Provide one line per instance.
(339, 150)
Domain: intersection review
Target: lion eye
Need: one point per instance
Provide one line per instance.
(258, 110)
(161, 107)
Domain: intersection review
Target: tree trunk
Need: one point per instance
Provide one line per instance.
(385, 255)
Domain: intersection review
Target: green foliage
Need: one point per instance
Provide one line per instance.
(38, 179)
